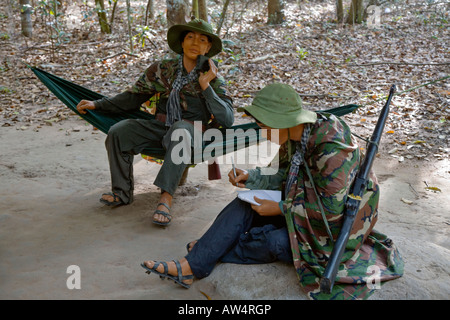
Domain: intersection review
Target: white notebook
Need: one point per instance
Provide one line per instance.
(262, 194)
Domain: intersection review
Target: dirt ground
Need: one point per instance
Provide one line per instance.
(52, 176)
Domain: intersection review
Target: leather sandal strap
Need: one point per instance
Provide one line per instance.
(164, 204)
(115, 196)
(166, 268)
(165, 214)
(180, 272)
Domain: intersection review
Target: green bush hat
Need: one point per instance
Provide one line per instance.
(197, 25)
(279, 106)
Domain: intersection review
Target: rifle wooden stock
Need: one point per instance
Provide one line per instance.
(353, 201)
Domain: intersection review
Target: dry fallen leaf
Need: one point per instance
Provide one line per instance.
(407, 201)
(207, 297)
(330, 63)
(434, 189)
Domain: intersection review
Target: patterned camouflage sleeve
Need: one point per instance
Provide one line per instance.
(133, 97)
(333, 157)
(260, 179)
(147, 82)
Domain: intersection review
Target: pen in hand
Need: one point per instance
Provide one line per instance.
(234, 169)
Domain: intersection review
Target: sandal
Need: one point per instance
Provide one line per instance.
(116, 202)
(188, 244)
(165, 214)
(178, 279)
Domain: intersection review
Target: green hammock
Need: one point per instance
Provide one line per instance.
(71, 94)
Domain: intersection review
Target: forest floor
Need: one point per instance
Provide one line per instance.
(329, 64)
(53, 166)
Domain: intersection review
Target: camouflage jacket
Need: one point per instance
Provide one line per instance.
(155, 84)
(333, 158)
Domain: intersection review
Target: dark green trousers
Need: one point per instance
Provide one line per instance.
(130, 137)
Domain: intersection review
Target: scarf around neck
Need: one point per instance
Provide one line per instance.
(298, 158)
(173, 104)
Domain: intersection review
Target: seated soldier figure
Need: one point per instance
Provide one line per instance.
(316, 164)
(186, 94)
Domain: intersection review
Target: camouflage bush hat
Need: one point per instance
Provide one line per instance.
(279, 106)
(197, 25)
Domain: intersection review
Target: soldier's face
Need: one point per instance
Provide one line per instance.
(278, 136)
(195, 44)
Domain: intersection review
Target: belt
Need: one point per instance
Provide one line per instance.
(161, 117)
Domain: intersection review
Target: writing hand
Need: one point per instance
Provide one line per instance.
(266, 207)
(239, 180)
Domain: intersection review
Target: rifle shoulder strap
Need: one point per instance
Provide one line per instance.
(324, 218)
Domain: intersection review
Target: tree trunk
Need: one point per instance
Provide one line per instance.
(339, 11)
(202, 10)
(25, 16)
(10, 22)
(129, 25)
(113, 13)
(176, 12)
(103, 21)
(149, 11)
(194, 10)
(222, 16)
(356, 12)
(275, 10)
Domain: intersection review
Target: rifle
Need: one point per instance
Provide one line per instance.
(353, 201)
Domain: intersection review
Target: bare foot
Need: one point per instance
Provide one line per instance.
(191, 245)
(172, 269)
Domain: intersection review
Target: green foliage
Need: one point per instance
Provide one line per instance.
(26, 7)
(47, 8)
(5, 90)
(143, 33)
(301, 53)
(227, 47)
(49, 14)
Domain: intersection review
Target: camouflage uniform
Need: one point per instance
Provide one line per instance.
(157, 81)
(130, 137)
(333, 158)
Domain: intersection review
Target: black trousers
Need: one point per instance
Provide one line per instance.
(240, 235)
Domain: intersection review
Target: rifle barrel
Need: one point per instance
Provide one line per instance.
(353, 201)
